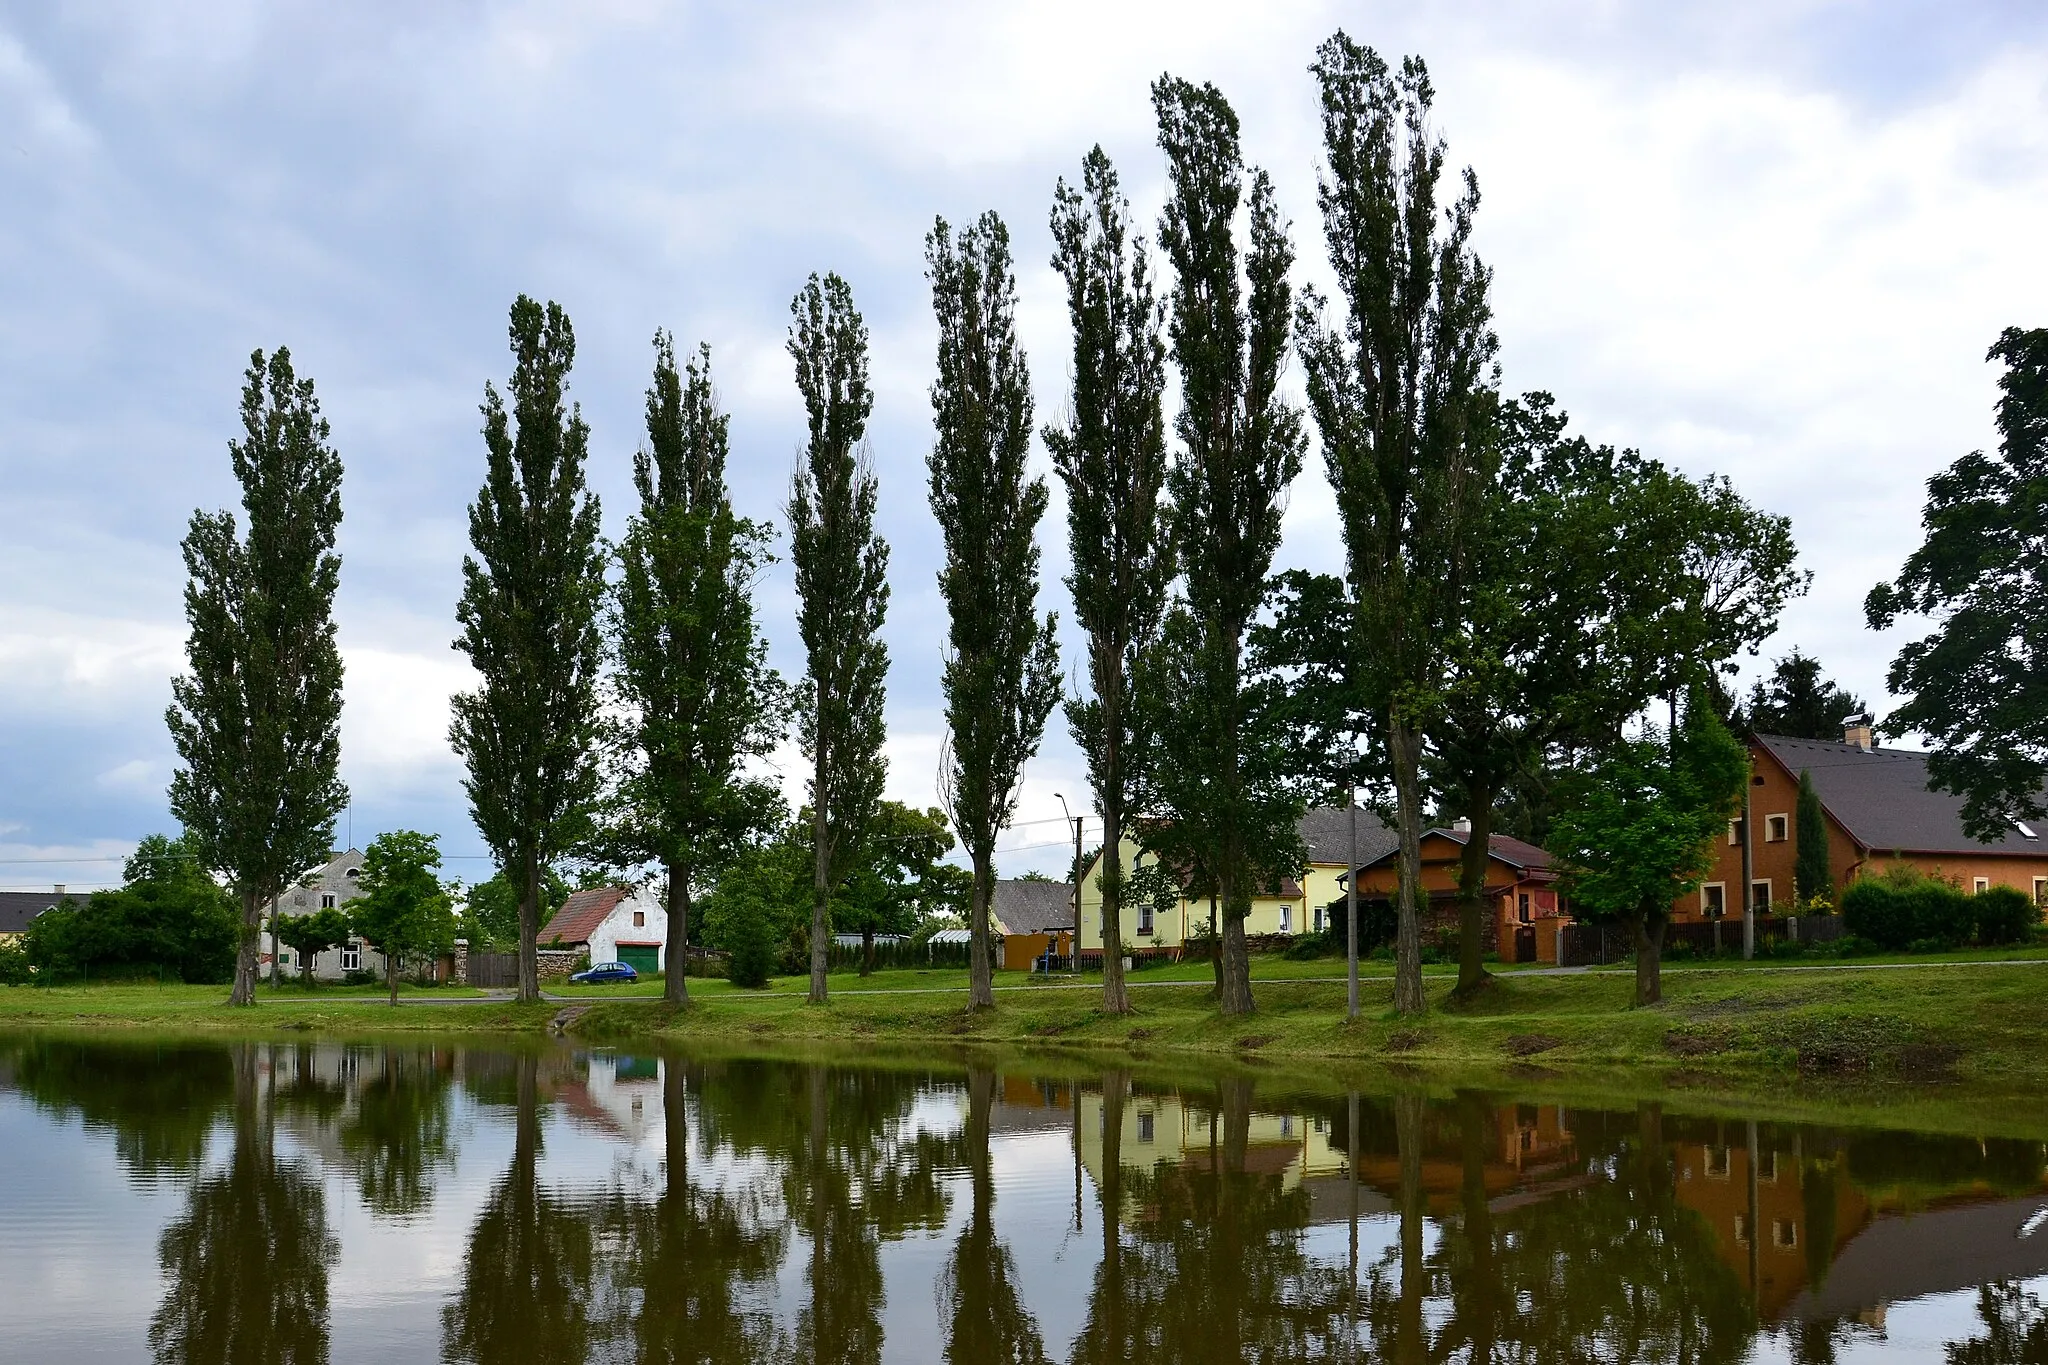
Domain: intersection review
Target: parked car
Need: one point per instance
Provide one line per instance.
(605, 974)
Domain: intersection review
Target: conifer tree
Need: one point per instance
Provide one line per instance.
(1401, 389)
(1241, 446)
(699, 698)
(257, 721)
(531, 592)
(1001, 674)
(1112, 457)
(842, 588)
(1812, 876)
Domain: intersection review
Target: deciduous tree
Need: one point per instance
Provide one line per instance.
(1402, 389)
(531, 590)
(1111, 455)
(1975, 685)
(699, 699)
(1241, 446)
(842, 588)
(257, 720)
(1001, 674)
(404, 910)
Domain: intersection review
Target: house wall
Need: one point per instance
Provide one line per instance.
(1774, 791)
(639, 918)
(1268, 915)
(1021, 950)
(1441, 861)
(304, 898)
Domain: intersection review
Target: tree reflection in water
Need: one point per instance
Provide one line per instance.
(160, 1101)
(526, 1280)
(2015, 1330)
(986, 1322)
(247, 1264)
(396, 1137)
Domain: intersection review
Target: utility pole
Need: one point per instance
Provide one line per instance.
(1748, 862)
(1074, 944)
(1351, 913)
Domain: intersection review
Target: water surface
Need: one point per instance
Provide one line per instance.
(345, 1202)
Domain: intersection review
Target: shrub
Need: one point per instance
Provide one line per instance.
(14, 964)
(1306, 948)
(756, 950)
(2004, 915)
(1905, 908)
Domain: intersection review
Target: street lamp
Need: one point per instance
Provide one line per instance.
(1074, 945)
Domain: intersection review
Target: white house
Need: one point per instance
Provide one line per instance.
(330, 886)
(613, 924)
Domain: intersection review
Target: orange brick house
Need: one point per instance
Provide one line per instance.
(1520, 885)
(1879, 809)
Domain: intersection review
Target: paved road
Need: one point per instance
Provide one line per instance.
(1095, 983)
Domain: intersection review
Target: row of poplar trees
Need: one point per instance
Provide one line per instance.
(624, 695)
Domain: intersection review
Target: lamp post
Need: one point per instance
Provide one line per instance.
(1074, 944)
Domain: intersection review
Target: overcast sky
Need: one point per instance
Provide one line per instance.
(1769, 240)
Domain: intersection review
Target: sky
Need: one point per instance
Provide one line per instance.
(1770, 240)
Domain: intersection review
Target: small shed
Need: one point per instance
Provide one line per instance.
(613, 924)
(1033, 916)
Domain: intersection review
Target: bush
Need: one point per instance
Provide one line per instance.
(14, 964)
(1905, 908)
(2005, 915)
(1307, 948)
(756, 949)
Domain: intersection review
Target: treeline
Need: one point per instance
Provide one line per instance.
(1515, 598)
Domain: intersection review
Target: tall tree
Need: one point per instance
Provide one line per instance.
(1975, 686)
(257, 721)
(1812, 876)
(699, 697)
(1798, 701)
(1001, 675)
(1403, 390)
(1241, 446)
(1111, 455)
(530, 599)
(404, 911)
(842, 588)
(1641, 833)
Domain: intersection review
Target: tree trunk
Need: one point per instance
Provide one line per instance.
(529, 929)
(1482, 1282)
(244, 992)
(1216, 944)
(981, 993)
(1472, 908)
(1410, 1340)
(1406, 750)
(675, 1131)
(675, 985)
(1351, 913)
(821, 871)
(1649, 929)
(867, 950)
(1116, 995)
(1236, 997)
(391, 977)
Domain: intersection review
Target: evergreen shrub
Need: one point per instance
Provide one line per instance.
(2005, 914)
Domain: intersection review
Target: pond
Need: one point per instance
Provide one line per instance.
(328, 1201)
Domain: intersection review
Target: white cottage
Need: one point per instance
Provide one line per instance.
(613, 924)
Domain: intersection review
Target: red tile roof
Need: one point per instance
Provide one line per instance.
(580, 915)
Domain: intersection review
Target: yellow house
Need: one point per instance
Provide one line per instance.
(1158, 1129)
(1297, 905)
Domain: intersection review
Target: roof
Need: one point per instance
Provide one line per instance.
(1033, 907)
(581, 914)
(1516, 853)
(1882, 798)
(17, 908)
(1326, 832)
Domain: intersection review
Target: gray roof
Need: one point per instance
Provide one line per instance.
(1032, 907)
(1882, 798)
(17, 908)
(1929, 1253)
(1326, 830)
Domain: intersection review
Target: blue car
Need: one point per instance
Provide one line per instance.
(605, 974)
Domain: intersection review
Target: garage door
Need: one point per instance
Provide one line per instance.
(641, 957)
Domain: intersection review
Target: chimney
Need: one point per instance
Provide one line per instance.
(60, 888)
(1462, 825)
(1856, 730)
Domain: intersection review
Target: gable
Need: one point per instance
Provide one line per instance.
(1882, 800)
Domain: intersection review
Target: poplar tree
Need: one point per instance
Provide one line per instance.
(1813, 877)
(1111, 456)
(699, 698)
(257, 721)
(531, 592)
(1001, 675)
(842, 589)
(1401, 390)
(1241, 446)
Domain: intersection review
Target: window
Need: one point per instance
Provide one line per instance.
(1522, 906)
(1784, 1233)
(639, 919)
(1714, 900)
(354, 872)
(284, 957)
(1144, 917)
(1734, 833)
(352, 955)
(1760, 897)
(1717, 1163)
(1317, 919)
(1146, 1119)
(1286, 919)
(1777, 828)
(1741, 1231)
(327, 901)
(2040, 890)
(1980, 884)
(1767, 1167)
(1287, 1125)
